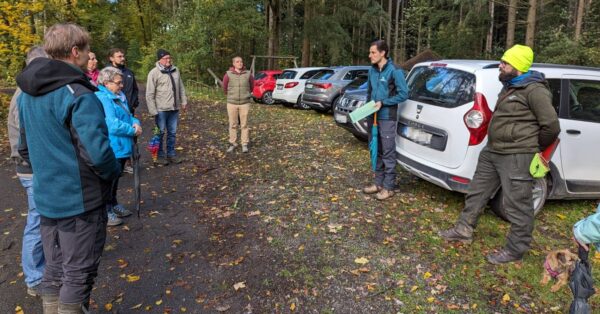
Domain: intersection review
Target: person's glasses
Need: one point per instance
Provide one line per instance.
(120, 83)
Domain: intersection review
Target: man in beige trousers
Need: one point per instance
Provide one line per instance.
(237, 85)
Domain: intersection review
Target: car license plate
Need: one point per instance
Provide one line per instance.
(416, 135)
(340, 118)
(309, 85)
(279, 86)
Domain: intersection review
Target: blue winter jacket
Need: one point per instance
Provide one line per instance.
(119, 121)
(65, 139)
(388, 86)
(587, 230)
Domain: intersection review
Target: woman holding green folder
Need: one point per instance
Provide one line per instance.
(387, 89)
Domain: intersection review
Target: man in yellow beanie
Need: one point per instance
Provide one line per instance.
(524, 123)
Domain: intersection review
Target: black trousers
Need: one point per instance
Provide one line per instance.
(72, 249)
(115, 184)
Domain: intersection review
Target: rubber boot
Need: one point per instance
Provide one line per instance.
(73, 308)
(50, 303)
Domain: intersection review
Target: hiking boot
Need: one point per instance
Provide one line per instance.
(34, 291)
(244, 148)
(384, 194)
(72, 308)
(162, 161)
(503, 256)
(113, 220)
(372, 189)
(453, 234)
(121, 211)
(174, 160)
(128, 169)
(50, 303)
(231, 148)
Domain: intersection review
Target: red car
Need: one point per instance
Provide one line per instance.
(264, 84)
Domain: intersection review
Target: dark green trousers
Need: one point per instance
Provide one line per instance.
(511, 171)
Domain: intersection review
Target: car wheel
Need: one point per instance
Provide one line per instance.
(300, 104)
(334, 103)
(540, 194)
(267, 98)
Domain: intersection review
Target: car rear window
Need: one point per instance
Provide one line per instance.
(287, 75)
(323, 75)
(260, 75)
(441, 86)
(309, 74)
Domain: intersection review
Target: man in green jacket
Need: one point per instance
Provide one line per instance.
(524, 122)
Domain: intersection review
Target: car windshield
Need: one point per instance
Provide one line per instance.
(287, 75)
(323, 75)
(260, 75)
(441, 86)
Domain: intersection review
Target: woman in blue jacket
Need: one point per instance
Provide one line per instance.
(587, 230)
(122, 127)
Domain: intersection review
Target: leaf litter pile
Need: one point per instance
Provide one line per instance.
(285, 229)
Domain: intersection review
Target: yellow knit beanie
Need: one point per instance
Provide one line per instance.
(519, 57)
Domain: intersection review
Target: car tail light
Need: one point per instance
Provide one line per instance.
(477, 119)
(322, 85)
(291, 84)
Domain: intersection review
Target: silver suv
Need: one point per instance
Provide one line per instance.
(323, 89)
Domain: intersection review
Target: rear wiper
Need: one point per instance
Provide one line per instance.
(435, 100)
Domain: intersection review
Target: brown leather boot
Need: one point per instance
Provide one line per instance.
(372, 189)
(50, 303)
(384, 194)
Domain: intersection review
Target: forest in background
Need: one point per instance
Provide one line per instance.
(203, 34)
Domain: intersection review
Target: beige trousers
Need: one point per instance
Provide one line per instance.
(238, 118)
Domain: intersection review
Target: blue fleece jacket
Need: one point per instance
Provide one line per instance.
(587, 230)
(65, 139)
(119, 121)
(387, 85)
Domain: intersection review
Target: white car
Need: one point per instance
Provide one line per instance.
(434, 142)
(290, 86)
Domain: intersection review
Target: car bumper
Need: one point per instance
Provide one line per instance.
(359, 129)
(321, 102)
(283, 96)
(435, 176)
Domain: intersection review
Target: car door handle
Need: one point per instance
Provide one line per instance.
(573, 132)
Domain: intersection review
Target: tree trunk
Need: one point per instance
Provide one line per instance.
(512, 22)
(403, 31)
(305, 38)
(419, 34)
(531, 17)
(141, 17)
(490, 34)
(579, 19)
(388, 36)
(397, 21)
(273, 41)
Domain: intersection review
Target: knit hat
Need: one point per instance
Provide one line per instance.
(519, 57)
(161, 53)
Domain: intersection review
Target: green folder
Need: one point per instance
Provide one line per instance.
(363, 112)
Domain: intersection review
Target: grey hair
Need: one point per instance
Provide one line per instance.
(35, 52)
(108, 74)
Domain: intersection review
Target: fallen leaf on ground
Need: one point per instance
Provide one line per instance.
(135, 307)
(361, 260)
(222, 308)
(18, 310)
(239, 285)
(505, 298)
(108, 306)
(159, 302)
(132, 278)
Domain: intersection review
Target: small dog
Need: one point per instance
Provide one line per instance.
(559, 264)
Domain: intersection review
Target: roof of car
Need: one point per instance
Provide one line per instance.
(492, 64)
(271, 71)
(304, 69)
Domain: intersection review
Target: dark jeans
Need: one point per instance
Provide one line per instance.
(72, 248)
(115, 185)
(385, 170)
(511, 171)
(167, 123)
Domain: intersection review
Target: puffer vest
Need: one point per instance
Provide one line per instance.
(238, 88)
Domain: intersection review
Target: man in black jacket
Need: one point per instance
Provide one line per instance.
(116, 56)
